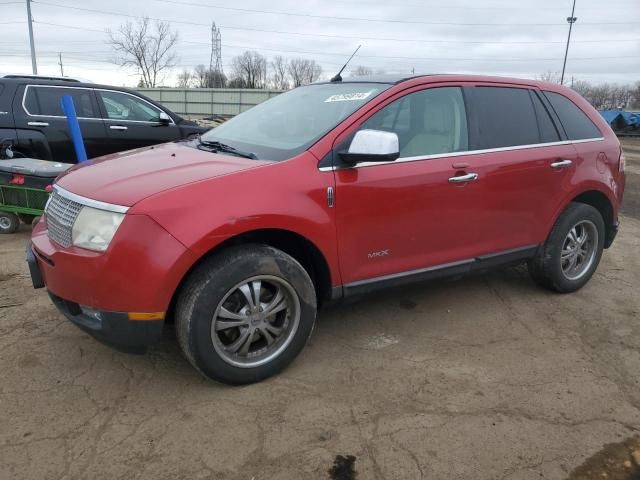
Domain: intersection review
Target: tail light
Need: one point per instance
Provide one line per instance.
(621, 162)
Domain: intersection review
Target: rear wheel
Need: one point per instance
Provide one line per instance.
(9, 222)
(245, 314)
(572, 252)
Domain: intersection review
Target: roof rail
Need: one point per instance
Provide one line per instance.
(41, 77)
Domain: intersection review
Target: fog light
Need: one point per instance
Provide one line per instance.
(91, 313)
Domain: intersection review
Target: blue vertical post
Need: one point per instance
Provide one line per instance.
(74, 127)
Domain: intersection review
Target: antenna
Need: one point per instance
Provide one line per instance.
(338, 78)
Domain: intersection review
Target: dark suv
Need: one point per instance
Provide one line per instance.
(112, 119)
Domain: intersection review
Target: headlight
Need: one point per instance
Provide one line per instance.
(94, 229)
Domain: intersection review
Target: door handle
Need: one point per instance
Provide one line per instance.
(469, 177)
(561, 164)
(118, 127)
(38, 124)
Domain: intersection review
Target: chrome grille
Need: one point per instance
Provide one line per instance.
(61, 213)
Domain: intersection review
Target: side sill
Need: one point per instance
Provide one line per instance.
(484, 262)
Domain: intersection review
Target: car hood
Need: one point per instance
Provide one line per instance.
(126, 178)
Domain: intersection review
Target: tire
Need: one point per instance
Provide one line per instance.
(552, 266)
(224, 286)
(9, 222)
(26, 219)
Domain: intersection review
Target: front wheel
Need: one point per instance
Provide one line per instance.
(571, 254)
(245, 314)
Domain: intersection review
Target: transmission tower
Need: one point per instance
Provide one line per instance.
(215, 61)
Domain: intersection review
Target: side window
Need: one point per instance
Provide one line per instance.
(428, 122)
(121, 106)
(575, 122)
(548, 131)
(505, 117)
(46, 101)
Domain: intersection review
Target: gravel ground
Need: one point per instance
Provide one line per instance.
(487, 378)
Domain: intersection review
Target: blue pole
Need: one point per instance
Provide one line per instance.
(74, 127)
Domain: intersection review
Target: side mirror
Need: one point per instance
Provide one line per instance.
(372, 146)
(164, 119)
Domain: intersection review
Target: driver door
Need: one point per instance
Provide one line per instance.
(407, 216)
(132, 122)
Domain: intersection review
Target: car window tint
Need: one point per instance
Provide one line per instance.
(121, 106)
(46, 101)
(427, 122)
(505, 117)
(548, 131)
(575, 122)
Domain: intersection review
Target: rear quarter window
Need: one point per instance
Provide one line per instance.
(576, 123)
(45, 101)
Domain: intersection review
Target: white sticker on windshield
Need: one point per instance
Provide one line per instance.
(348, 97)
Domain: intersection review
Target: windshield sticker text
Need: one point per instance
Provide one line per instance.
(348, 97)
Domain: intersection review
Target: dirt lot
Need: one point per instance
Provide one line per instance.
(484, 378)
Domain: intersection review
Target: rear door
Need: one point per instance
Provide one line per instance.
(37, 112)
(132, 122)
(525, 165)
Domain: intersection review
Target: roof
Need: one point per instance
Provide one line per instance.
(40, 77)
(394, 79)
(59, 82)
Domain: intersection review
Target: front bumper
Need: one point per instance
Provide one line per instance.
(120, 296)
(139, 272)
(112, 328)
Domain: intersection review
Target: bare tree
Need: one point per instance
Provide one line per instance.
(635, 93)
(609, 95)
(303, 71)
(184, 78)
(279, 79)
(200, 76)
(147, 48)
(361, 71)
(251, 69)
(549, 76)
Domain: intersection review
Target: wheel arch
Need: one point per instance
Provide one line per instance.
(601, 202)
(292, 243)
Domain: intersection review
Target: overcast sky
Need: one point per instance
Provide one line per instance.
(519, 38)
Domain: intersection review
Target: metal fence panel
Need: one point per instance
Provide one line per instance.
(201, 102)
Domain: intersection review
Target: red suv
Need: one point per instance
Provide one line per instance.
(324, 192)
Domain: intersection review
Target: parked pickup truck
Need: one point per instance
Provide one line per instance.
(112, 119)
(325, 192)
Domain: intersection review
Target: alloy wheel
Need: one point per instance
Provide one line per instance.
(579, 249)
(255, 321)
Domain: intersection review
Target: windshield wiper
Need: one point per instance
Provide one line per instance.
(222, 147)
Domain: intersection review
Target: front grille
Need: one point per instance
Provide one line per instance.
(61, 215)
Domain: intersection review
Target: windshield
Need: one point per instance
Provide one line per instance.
(288, 124)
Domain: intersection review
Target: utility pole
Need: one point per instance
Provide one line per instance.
(34, 66)
(571, 20)
(60, 63)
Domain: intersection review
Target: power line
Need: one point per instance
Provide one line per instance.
(351, 19)
(503, 42)
(462, 24)
(91, 56)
